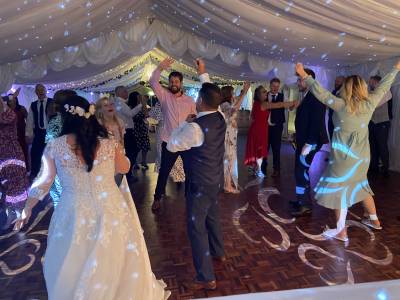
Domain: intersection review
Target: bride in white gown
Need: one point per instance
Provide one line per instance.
(95, 247)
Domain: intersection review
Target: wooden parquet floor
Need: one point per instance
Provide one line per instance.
(266, 249)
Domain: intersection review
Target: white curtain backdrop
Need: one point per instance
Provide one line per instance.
(137, 39)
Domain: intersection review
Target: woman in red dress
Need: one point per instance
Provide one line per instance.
(257, 137)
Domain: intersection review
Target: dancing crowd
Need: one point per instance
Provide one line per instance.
(80, 154)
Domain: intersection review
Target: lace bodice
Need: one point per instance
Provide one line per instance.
(60, 159)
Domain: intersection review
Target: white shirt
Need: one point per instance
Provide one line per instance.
(381, 113)
(270, 95)
(188, 135)
(30, 122)
(125, 113)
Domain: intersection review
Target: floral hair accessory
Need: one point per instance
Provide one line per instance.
(77, 110)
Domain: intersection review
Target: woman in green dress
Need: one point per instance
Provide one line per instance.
(345, 182)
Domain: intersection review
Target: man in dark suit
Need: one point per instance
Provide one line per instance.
(310, 136)
(36, 124)
(338, 85)
(276, 120)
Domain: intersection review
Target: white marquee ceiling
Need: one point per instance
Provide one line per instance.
(243, 39)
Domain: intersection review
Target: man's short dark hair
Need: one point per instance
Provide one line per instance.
(119, 89)
(211, 95)
(175, 74)
(275, 79)
(310, 72)
(376, 77)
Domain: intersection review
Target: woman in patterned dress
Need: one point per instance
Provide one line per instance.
(140, 129)
(177, 174)
(13, 176)
(230, 107)
(344, 182)
(22, 114)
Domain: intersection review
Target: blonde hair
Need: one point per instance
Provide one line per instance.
(354, 92)
(100, 115)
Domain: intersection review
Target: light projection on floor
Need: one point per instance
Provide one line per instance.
(26, 240)
(278, 223)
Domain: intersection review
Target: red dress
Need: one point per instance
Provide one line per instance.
(257, 136)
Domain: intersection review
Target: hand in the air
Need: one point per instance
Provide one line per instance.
(300, 70)
(397, 65)
(166, 63)
(200, 65)
(246, 87)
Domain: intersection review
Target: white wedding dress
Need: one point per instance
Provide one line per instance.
(95, 247)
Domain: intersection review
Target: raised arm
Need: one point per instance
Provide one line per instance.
(154, 81)
(201, 71)
(323, 95)
(385, 98)
(240, 98)
(124, 109)
(40, 187)
(384, 85)
(269, 105)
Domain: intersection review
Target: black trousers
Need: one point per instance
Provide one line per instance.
(168, 160)
(275, 142)
(378, 141)
(204, 228)
(130, 147)
(302, 165)
(38, 145)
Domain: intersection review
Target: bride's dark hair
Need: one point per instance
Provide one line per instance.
(87, 131)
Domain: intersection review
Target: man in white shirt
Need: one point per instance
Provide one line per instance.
(202, 137)
(379, 127)
(126, 114)
(36, 124)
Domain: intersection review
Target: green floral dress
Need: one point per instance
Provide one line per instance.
(344, 182)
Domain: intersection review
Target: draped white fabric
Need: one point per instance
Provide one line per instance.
(60, 35)
(138, 39)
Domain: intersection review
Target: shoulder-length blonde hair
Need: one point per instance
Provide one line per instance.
(354, 92)
(100, 116)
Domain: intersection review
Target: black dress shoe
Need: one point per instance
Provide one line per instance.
(220, 259)
(298, 209)
(156, 205)
(201, 285)
(276, 173)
